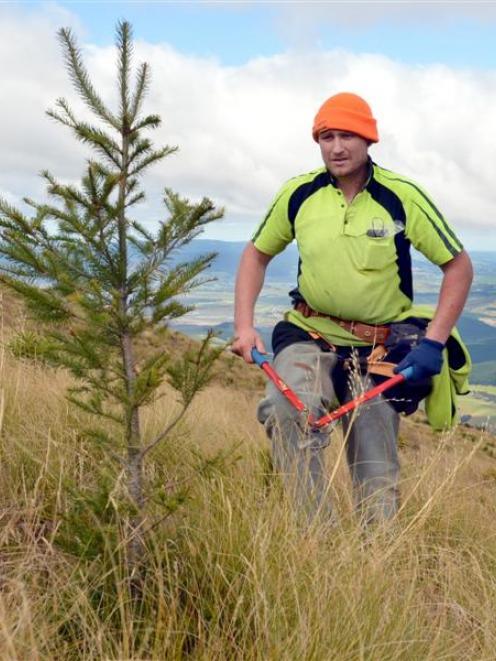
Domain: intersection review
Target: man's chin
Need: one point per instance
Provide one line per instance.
(340, 170)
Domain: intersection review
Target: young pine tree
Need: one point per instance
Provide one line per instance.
(99, 280)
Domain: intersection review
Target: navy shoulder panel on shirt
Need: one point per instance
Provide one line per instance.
(390, 201)
(303, 192)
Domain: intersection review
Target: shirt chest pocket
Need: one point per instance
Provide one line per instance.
(371, 241)
(374, 253)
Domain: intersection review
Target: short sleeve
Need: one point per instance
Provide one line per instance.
(275, 232)
(428, 230)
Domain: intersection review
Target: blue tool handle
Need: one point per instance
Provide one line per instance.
(407, 373)
(258, 358)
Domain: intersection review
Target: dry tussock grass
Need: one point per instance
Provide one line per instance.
(231, 573)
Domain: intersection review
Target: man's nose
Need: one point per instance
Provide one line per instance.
(337, 145)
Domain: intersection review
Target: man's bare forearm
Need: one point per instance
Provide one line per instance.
(249, 283)
(458, 275)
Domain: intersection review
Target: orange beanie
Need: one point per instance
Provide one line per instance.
(346, 112)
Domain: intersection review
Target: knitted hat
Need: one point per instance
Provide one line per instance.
(346, 112)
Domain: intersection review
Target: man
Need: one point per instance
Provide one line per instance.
(353, 223)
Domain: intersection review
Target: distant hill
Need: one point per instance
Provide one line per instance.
(283, 267)
(481, 341)
(484, 373)
(474, 330)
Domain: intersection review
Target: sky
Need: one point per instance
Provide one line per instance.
(237, 85)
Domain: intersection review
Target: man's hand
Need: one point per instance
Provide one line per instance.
(426, 359)
(244, 342)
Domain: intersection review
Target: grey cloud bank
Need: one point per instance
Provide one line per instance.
(243, 130)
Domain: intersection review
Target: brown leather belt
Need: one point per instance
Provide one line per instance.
(366, 332)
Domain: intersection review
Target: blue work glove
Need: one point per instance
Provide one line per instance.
(426, 360)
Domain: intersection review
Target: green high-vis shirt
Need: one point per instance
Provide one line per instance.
(354, 259)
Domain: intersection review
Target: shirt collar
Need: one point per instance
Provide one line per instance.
(370, 172)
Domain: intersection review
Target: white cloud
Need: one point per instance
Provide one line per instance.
(304, 24)
(299, 20)
(243, 130)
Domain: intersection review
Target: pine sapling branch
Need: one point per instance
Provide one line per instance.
(142, 83)
(81, 80)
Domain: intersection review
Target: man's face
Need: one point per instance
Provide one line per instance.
(343, 153)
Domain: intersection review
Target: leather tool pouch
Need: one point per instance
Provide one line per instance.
(403, 337)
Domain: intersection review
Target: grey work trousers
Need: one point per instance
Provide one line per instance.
(298, 452)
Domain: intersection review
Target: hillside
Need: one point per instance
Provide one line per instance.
(230, 572)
